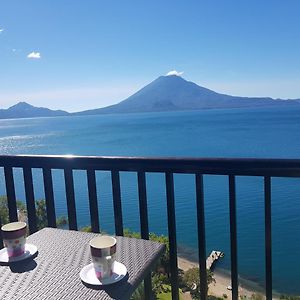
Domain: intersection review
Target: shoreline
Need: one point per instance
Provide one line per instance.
(223, 280)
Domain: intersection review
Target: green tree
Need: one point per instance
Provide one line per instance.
(86, 229)
(163, 263)
(41, 216)
(4, 216)
(3, 210)
(161, 273)
(191, 278)
(160, 283)
(163, 266)
(41, 213)
(139, 293)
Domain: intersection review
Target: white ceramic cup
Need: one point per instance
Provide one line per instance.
(103, 251)
(14, 238)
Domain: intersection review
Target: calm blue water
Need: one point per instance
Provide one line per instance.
(265, 133)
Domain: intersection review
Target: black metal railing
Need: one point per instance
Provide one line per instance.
(267, 168)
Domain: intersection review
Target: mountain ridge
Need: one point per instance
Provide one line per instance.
(165, 93)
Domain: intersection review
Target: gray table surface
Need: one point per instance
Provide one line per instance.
(54, 272)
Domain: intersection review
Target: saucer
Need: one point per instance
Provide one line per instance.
(30, 250)
(87, 274)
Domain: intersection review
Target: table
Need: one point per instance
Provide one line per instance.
(54, 272)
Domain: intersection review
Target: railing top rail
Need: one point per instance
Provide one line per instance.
(218, 166)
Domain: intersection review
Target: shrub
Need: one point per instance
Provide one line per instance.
(191, 279)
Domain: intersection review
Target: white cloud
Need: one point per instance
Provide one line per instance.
(34, 55)
(174, 72)
(1, 30)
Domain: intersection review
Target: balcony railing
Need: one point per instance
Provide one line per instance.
(267, 168)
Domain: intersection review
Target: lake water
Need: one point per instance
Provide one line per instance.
(259, 133)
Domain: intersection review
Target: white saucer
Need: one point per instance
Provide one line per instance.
(30, 250)
(87, 274)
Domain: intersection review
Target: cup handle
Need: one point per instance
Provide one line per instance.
(109, 261)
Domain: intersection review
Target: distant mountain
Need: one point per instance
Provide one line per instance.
(166, 93)
(25, 110)
(171, 93)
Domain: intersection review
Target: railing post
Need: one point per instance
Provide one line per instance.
(93, 201)
(268, 237)
(69, 183)
(172, 234)
(11, 194)
(233, 238)
(144, 225)
(115, 178)
(143, 205)
(30, 202)
(50, 207)
(201, 236)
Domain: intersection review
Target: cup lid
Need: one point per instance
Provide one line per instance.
(103, 242)
(14, 226)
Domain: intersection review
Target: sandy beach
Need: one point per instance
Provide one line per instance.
(219, 288)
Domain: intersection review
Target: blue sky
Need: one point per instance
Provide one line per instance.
(88, 54)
